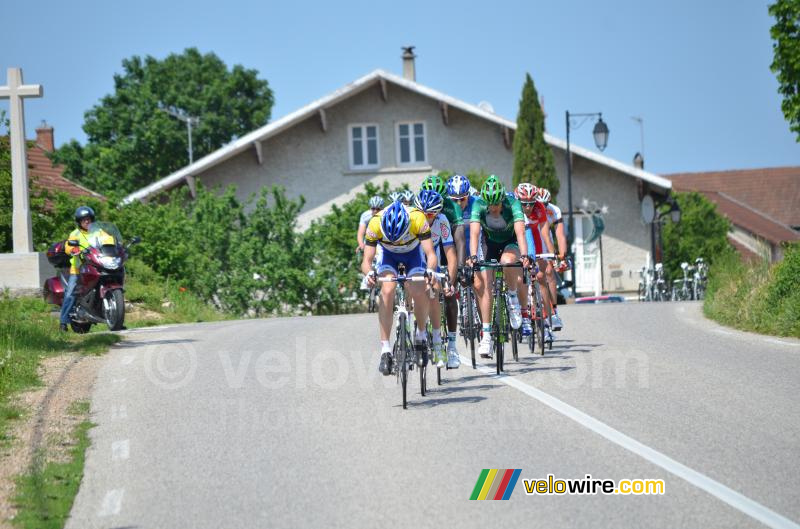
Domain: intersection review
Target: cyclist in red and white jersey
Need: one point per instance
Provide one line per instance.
(537, 231)
(557, 224)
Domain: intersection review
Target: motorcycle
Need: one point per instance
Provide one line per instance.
(99, 294)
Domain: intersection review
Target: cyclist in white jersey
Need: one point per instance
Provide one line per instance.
(557, 224)
(375, 206)
(431, 204)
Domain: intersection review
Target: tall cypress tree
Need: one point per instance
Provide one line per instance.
(533, 159)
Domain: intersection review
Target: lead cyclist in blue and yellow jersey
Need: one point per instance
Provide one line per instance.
(405, 236)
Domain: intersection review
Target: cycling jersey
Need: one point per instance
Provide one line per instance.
(466, 214)
(452, 211)
(441, 232)
(498, 229)
(418, 230)
(365, 217)
(553, 214)
(536, 217)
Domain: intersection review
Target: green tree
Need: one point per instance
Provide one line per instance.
(131, 142)
(533, 159)
(702, 232)
(786, 63)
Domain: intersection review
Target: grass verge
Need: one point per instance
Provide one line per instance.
(756, 297)
(46, 493)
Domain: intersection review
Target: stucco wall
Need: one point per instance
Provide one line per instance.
(315, 164)
(626, 239)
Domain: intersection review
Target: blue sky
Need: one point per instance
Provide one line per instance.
(696, 71)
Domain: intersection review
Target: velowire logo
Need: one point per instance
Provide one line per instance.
(495, 484)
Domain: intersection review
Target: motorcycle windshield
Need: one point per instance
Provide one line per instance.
(105, 237)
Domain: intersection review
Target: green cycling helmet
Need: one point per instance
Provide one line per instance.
(493, 191)
(435, 183)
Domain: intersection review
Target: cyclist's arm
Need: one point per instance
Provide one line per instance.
(362, 229)
(474, 237)
(544, 229)
(430, 254)
(452, 264)
(562, 240)
(522, 242)
(366, 262)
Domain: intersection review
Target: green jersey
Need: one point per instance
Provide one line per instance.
(452, 211)
(498, 229)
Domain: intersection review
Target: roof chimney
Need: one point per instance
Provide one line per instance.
(638, 161)
(409, 70)
(44, 137)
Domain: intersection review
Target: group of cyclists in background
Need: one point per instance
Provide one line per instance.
(450, 230)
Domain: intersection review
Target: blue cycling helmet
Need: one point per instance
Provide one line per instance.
(458, 186)
(429, 201)
(376, 202)
(395, 221)
(394, 196)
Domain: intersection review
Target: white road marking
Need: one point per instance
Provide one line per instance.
(781, 342)
(119, 412)
(112, 503)
(120, 450)
(128, 359)
(731, 497)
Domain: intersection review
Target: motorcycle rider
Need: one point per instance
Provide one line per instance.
(84, 217)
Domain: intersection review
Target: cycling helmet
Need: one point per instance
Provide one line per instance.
(493, 192)
(436, 183)
(83, 212)
(408, 196)
(526, 192)
(376, 202)
(429, 201)
(458, 186)
(544, 195)
(394, 196)
(492, 178)
(394, 222)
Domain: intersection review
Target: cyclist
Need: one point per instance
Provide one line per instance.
(408, 197)
(537, 233)
(430, 203)
(452, 212)
(404, 235)
(375, 205)
(557, 224)
(503, 224)
(394, 196)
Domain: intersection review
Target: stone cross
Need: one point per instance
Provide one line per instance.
(14, 92)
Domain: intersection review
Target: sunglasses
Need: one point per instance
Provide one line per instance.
(528, 204)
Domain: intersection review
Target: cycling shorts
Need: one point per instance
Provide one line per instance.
(414, 262)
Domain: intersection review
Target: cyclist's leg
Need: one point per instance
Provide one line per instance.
(415, 266)
(387, 267)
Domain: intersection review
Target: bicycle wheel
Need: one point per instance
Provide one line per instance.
(472, 329)
(513, 333)
(423, 371)
(497, 330)
(401, 356)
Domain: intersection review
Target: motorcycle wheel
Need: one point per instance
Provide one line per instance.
(80, 328)
(114, 309)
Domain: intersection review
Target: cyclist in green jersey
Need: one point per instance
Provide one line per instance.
(452, 211)
(501, 218)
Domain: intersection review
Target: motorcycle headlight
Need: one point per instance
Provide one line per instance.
(109, 262)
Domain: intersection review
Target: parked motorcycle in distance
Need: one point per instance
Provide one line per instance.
(99, 294)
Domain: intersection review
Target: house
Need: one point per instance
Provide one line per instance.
(43, 174)
(384, 127)
(763, 206)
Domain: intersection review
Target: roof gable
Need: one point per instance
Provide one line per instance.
(249, 140)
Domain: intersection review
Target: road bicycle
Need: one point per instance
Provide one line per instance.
(501, 319)
(470, 322)
(444, 281)
(404, 352)
(540, 319)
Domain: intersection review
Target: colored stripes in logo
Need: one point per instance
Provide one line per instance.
(495, 484)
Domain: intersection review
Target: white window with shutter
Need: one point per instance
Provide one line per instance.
(412, 144)
(363, 146)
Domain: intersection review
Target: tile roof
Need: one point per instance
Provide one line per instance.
(44, 175)
(773, 191)
(750, 219)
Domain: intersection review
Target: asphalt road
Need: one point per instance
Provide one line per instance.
(287, 423)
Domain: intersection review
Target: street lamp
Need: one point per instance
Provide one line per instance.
(189, 120)
(600, 134)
